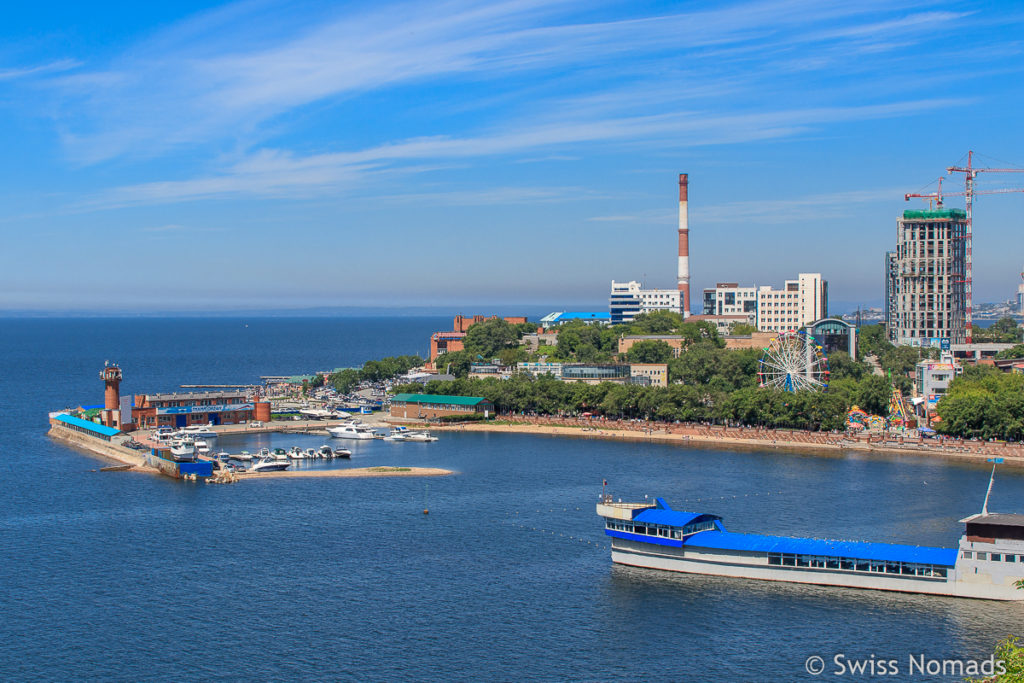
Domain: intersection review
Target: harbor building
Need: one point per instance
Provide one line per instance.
(540, 369)
(653, 374)
(928, 295)
(432, 406)
(728, 298)
(595, 373)
(559, 317)
(629, 299)
(835, 335)
(933, 379)
(197, 408)
(799, 303)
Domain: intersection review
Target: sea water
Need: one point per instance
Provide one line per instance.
(123, 576)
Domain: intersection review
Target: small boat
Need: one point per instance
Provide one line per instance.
(269, 465)
(244, 456)
(198, 431)
(183, 450)
(296, 453)
(202, 448)
(421, 437)
(280, 455)
(312, 454)
(328, 452)
(398, 434)
(352, 430)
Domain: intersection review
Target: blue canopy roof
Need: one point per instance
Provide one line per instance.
(86, 424)
(664, 514)
(859, 550)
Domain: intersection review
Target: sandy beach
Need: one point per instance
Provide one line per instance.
(358, 472)
(1013, 454)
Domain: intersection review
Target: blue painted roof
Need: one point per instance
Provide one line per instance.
(664, 514)
(581, 315)
(861, 550)
(86, 424)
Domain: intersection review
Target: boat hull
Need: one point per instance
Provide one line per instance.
(742, 565)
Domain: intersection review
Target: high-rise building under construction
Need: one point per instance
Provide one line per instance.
(925, 280)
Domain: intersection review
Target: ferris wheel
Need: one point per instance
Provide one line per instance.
(793, 361)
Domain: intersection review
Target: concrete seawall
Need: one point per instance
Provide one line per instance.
(109, 450)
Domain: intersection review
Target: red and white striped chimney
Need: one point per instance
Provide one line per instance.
(684, 246)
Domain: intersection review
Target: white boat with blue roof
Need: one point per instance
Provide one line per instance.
(988, 564)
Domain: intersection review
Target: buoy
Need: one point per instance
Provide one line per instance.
(426, 511)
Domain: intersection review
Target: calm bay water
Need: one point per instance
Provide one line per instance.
(118, 576)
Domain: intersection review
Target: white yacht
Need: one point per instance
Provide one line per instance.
(202, 448)
(198, 431)
(244, 456)
(421, 437)
(183, 450)
(296, 453)
(328, 452)
(269, 465)
(352, 430)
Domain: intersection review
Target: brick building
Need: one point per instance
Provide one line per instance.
(430, 406)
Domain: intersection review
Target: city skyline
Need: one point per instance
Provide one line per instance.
(271, 156)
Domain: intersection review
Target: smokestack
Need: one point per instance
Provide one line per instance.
(684, 245)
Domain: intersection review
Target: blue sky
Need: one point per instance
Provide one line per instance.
(291, 155)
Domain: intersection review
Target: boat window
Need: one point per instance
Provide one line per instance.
(774, 558)
(863, 566)
(892, 567)
(939, 571)
(908, 568)
(996, 557)
(803, 561)
(877, 566)
(982, 556)
(677, 534)
(818, 562)
(832, 563)
(789, 560)
(1009, 558)
(968, 555)
(846, 563)
(639, 530)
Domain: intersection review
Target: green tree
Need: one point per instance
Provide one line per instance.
(454, 362)
(344, 381)
(649, 351)
(489, 337)
(742, 330)
(841, 365)
(1015, 352)
(317, 381)
(656, 322)
(1011, 654)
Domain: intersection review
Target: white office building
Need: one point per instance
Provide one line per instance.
(728, 298)
(630, 299)
(799, 303)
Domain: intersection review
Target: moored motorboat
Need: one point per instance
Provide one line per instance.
(328, 452)
(352, 430)
(269, 465)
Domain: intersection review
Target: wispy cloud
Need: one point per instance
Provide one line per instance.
(10, 74)
(226, 77)
(270, 173)
(785, 211)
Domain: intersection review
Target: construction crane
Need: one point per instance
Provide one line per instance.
(970, 172)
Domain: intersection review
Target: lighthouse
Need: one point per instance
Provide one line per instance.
(111, 376)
